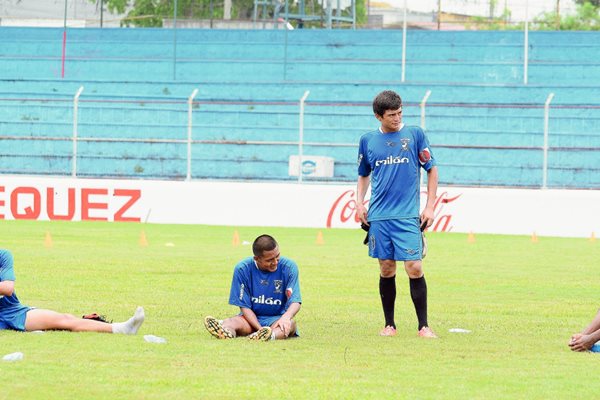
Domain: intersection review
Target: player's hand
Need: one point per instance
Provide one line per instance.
(285, 324)
(581, 342)
(361, 212)
(426, 218)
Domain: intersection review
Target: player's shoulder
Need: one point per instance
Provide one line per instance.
(369, 135)
(288, 263)
(414, 129)
(244, 264)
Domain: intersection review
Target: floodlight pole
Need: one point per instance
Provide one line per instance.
(175, 42)
(64, 44)
(526, 44)
(301, 135)
(422, 106)
(546, 123)
(404, 45)
(189, 129)
(75, 133)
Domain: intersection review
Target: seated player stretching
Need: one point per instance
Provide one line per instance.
(267, 290)
(16, 316)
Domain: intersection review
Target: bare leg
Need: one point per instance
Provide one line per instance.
(41, 320)
(238, 326)
(38, 319)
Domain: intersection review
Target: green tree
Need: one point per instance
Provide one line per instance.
(587, 18)
(595, 3)
(151, 13)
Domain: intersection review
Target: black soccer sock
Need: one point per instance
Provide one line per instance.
(418, 293)
(387, 291)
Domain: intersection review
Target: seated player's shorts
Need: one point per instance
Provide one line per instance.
(396, 239)
(269, 320)
(14, 317)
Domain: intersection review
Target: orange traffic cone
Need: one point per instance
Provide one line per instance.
(143, 240)
(471, 238)
(236, 238)
(48, 240)
(534, 238)
(320, 240)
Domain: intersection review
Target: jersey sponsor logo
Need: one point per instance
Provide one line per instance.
(392, 160)
(241, 291)
(360, 157)
(266, 300)
(424, 155)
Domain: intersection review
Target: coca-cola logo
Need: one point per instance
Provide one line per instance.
(343, 211)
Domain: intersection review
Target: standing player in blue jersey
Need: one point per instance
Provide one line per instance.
(390, 159)
(267, 291)
(16, 316)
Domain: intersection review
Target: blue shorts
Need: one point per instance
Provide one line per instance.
(268, 320)
(396, 239)
(14, 317)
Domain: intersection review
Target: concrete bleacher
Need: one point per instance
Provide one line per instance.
(485, 125)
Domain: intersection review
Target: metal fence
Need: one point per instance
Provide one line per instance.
(543, 146)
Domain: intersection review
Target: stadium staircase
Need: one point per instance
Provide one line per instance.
(485, 124)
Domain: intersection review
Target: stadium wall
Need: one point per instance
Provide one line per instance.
(501, 211)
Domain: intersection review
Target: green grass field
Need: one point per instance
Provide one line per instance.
(521, 300)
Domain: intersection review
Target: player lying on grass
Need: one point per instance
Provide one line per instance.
(588, 337)
(267, 291)
(16, 316)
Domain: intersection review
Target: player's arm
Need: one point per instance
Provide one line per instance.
(432, 185)
(250, 316)
(285, 322)
(7, 288)
(361, 191)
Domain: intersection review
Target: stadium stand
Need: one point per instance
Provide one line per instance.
(486, 125)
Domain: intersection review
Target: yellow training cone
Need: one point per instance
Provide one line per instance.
(471, 238)
(48, 240)
(236, 239)
(534, 238)
(593, 237)
(143, 240)
(320, 240)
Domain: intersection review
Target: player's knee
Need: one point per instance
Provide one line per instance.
(414, 269)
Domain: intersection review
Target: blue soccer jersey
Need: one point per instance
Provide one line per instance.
(393, 160)
(265, 293)
(12, 313)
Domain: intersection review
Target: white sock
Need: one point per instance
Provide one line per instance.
(131, 326)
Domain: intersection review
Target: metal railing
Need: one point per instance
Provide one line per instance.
(240, 116)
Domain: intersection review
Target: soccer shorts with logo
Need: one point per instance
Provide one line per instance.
(396, 239)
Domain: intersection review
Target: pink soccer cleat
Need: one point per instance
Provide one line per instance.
(426, 332)
(388, 331)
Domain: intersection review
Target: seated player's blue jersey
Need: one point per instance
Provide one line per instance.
(393, 161)
(265, 293)
(7, 273)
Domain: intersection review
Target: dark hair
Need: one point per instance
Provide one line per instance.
(386, 100)
(263, 243)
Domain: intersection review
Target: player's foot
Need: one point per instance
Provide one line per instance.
(215, 328)
(388, 331)
(263, 334)
(424, 241)
(426, 332)
(131, 326)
